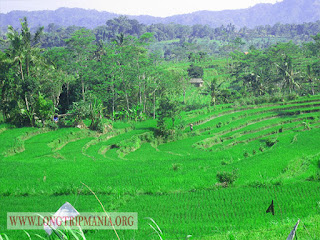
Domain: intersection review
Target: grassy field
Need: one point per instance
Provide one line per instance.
(272, 149)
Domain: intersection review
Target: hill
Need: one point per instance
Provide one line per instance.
(287, 11)
(214, 182)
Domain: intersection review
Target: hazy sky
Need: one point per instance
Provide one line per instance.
(160, 8)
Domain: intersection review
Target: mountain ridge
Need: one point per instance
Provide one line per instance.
(287, 11)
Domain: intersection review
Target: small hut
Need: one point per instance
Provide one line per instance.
(197, 82)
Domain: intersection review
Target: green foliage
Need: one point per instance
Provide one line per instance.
(44, 109)
(306, 125)
(315, 177)
(126, 81)
(127, 76)
(176, 166)
(174, 174)
(98, 125)
(52, 125)
(168, 108)
(195, 71)
(227, 177)
(271, 141)
(261, 149)
(132, 144)
(79, 111)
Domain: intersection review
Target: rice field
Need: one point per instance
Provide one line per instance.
(273, 149)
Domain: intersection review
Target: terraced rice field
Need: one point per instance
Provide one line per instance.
(274, 148)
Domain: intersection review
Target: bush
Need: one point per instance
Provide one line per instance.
(97, 125)
(261, 148)
(176, 166)
(257, 184)
(44, 109)
(195, 71)
(292, 96)
(167, 109)
(223, 162)
(195, 105)
(271, 141)
(64, 123)
(52, 125)
(314, 178)
(38, 124)
(227, 177)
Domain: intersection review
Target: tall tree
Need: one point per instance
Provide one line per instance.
(24, 53)
(81, 46)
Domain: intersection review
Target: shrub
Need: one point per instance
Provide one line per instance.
(38, 124)
(43, 108)
(292, 96)
(306, 125)
(62, 123)
(176, 166)
(97, 126)
(257, 184)
(168, 109)
(195, 71)
(52, 125)
(227, 177)
(276, 98)
(271, 141)
(314, 178)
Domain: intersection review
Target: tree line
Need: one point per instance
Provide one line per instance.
(124, 79)
(283, 68)
(119, 79)
(54, 35)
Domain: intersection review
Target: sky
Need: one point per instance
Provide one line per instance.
(158, 8)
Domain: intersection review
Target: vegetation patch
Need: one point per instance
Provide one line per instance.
(72, 136)
(18, 145)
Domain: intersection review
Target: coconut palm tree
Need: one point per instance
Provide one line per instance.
(23, 47)
(23, 52)
(288, 74)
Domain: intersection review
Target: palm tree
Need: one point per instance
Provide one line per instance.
(23, 50)
(214, 90)
(310, 77)
(119, 40)
(23, 47)
(288, 75)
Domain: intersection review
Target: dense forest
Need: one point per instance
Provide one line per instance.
(127, 70)
(212, 40)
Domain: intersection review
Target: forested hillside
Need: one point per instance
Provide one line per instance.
(130, 76)
(176, 41)
(286, 11)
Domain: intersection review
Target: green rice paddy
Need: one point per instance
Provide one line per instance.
(174, 182)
